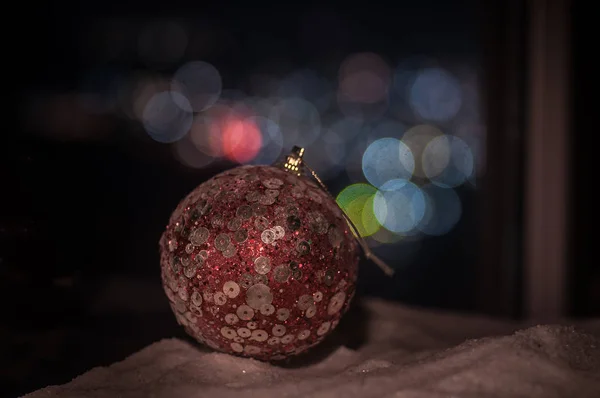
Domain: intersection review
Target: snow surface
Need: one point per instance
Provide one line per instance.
(403, 352)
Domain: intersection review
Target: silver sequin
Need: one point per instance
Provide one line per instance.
(196, 298)
(251, 325)
(199, 235)
(244, 212)
(231, 289)
(183, 294)
(190, 271)
(240, 235)
(229, 251)
(297, 193)
(279, 231)
(291, 210)
(281, 273)
(278, 330)
(318, 222)
(302, 247)
(258, 209)
(253, 196)
(293, 223)
(222, 241)
(245, 312)
(217, 221)
(175, 264)
(297, 274)
(262, 265)
(237, 347)
(244, 332)
(185, 261)
(288, 338)
(228, 332)
(272, 183)
(234, 224)
(267, 200)
(305, 301)
(231, 319)
(324, 328)
(203, 254)
(261, 223)
(267, 309)
(189, 248)
(257, 295)
(251, 349)
(258, 278)
(268, 236)
(283, 314)
(310, 311)
(272, 193)
(246, 281)
(336, 303)
(259, 335)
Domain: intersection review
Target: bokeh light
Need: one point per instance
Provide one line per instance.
(363, 85)
(199, 82)
(357, 202)
(385, 128)
(348, 127)
(271, 140)
(241, 140)
(443, 210)
(306, 84)
(188, 154)
(404, 133)
(416, 139)
(167, 117)
(207, 130)
(399, 206)
(384, 236)
(299, 121)
(327, 155)
(387, 159)
(435, 95)
(447, 161)
(364, 78)
(135, 97)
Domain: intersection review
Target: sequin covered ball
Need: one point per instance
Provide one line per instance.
(258, 262)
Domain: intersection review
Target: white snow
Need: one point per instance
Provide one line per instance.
(407, 353)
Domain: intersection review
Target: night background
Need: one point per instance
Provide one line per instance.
(122, 109)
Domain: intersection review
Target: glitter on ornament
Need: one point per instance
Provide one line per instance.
(255, 269)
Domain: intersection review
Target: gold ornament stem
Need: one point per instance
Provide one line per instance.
(368, 253)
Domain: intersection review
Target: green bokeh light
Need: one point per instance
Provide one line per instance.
(357, 201)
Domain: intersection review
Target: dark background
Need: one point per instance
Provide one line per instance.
(80, 221)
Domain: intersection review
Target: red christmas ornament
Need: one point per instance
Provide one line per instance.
(259, 261)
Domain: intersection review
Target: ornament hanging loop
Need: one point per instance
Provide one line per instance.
(295, 164)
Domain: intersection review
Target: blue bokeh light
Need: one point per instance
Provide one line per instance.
(387, 159)
(399, 206)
